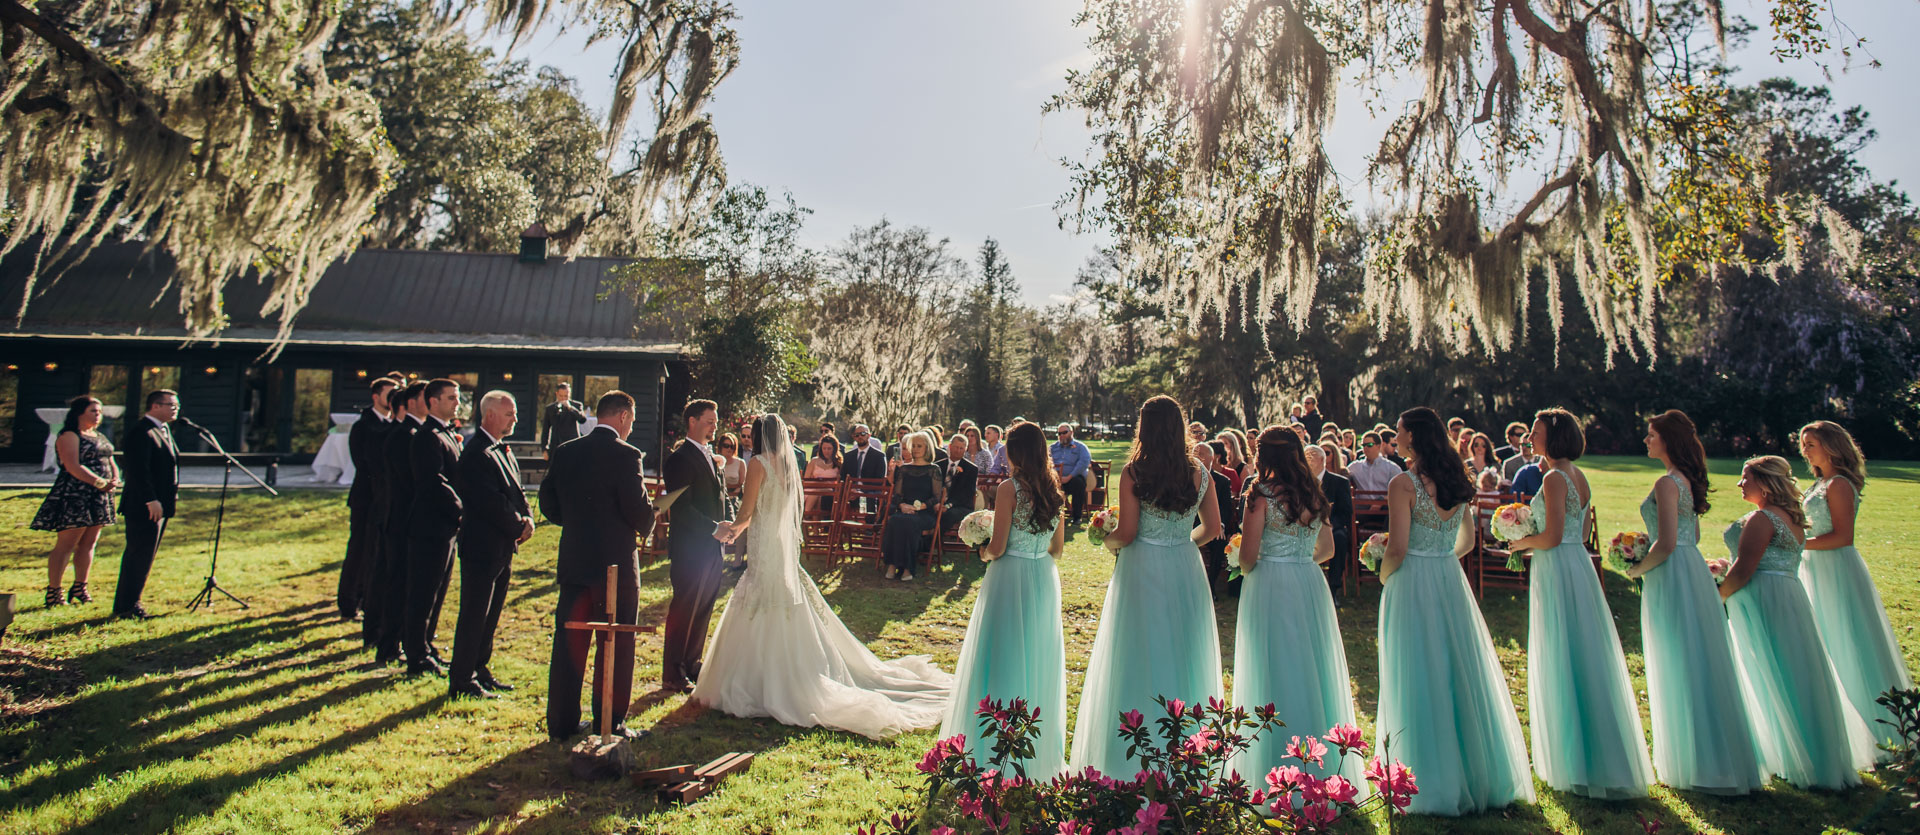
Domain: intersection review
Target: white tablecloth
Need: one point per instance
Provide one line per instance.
(53, 417)
(332, 464)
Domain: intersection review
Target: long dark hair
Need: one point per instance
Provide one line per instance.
(1161, 465)
(1436, 459)
(1282, 464)
(1684, 452)
(1028, 464)
(75, 408)
(829, 443)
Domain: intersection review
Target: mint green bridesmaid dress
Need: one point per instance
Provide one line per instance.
(1852, 620)
(1702, 732)
(1587, 737)
(1445, 709)
(1808, 733)
(1287, 650)
(1015, 648)
(1157, 637)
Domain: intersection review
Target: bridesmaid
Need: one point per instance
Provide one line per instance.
(1444, 705)
(1846, 607)
(1586, 724)
(1702, 733)
(1808, 732)
(1287, 650)
(1157, 633)
(1015, 647)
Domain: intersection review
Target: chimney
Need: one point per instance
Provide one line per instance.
(533, 244)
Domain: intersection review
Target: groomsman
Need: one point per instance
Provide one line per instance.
(495, 521)
(432, 523)
(693, 555)
(152, 475)
(594, 491)
(395, 465)
(564, 417)
(376, 581)
(362, 442)
(1340, 495)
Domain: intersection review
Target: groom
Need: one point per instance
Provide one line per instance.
(693, 554)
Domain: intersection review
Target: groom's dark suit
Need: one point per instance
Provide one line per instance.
(593, 490)
(693, 557)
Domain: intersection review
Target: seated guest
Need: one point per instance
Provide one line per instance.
(1232, 460)
(1071, 460)
(976, 450)
(1510, 466)
(1516, 433)
(826, 431)
(1197, 432)
(1372, 472)
(799, 455)
(1335, 462)
(918, 488)
(1339, 493)
(996, 452)
(1526, 480)
(826, 466)
(861, 459)
(899, 434)
(963, 479)
(1393, 452)
(1213, 554)
(1488, 481)
(1455, 426)
(1480, 457)
(733, 469)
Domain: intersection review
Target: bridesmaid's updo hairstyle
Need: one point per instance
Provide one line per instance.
(1775, 477)
(1027, 463)
(1282, 465)
(1565, 440)
(1436, 459)
(1159, 462)
(1684, 452)
(1843, 453)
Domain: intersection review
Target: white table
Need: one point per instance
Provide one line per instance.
(57, 415)
(333, 464)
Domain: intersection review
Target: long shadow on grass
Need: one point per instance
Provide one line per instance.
(867, 602)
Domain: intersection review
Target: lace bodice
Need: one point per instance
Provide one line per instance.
(1283, 538)
(1687, 529)
(1783, 551)
(1163, 528)
(1573, 529)
(1022, 539)
(1819, 513)
(1431, 533)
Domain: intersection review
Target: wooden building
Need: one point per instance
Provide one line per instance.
(110, 325)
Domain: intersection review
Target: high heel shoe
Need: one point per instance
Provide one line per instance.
(54, 597)
(79, 594)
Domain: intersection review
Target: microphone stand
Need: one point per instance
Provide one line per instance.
(205, 597)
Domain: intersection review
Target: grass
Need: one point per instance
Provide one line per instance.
(271, 720)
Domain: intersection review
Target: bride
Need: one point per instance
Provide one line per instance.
(779, 650)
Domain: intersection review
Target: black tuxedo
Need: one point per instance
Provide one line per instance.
(963, 482)
(863, 463)
(379, 576)
(594, 491)
(1340, 495)
(1213, 553)
(433, 520)
(694, 559)
(151, 474)
(362, 544)
(561, 424)
(496, 513)
(396, 475)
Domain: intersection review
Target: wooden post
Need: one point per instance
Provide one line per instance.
(607, 667)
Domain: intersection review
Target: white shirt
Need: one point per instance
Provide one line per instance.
(1372, 476)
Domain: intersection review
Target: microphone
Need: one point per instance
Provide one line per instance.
(191, 425)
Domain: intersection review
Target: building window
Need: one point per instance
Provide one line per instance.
(108, 384)
(597, 385)
(9, 402)
(156, 377)
(550, 392)
(469, 392)
(312, 399)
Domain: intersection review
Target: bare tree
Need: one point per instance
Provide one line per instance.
(880, 331)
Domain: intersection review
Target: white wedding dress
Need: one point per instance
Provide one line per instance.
(780, 652)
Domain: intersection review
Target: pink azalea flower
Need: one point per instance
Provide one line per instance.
(1131, 720)
(1150, 816)
(942, 830)
(1338, 790)
(1201, 742)
(1214, 704)
(1282, 804)
(1319, 814)
(931, 762)
(1259, 797)
(969, 805)
(1175, 707)
(1286, 778)
(1310, 751)
(1311, 788)
(1075, 828)
(1348, 738)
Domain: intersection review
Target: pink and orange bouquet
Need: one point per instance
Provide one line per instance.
(1105, 521)
(1373, 551)
(1628, 548)
(1719, 567)
(1511, 522)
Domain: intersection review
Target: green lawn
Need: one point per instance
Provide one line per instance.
(271, 720)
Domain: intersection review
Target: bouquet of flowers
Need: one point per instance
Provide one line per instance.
(1105, 521)
(1719, 567)
(977, 528)
(1233, 558)
(1511, 522)
(1628, 548)
(1373, 551)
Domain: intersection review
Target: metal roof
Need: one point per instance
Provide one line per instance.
(373, 298)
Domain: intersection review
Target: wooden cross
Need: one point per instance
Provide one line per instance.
(604, 632)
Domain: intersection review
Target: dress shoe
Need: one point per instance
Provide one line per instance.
(629, 733)
(385, 657)
(469, 690)
(426, 666)
(577, 730)
(676, 687)
(135, 613)
(693, 671)
(494, 684)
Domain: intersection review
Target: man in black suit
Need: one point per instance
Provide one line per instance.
(1213, 555)
(433, 521)
(563, 419)
(409, 414)
(1340, 495)
(495, 521)
(1312, 419)
(362, 441)
(693, 555)
(963, 482)
(594, 491)
(377, 577)
(152, 478)
(861, 460)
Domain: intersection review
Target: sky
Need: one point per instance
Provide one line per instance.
(929, 114)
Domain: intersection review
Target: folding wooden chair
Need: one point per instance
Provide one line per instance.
(1369, 518)
(1593, 546)
(1097, 473)
(819, 524)
(986, 488)
(861, 516)
(1489, 558)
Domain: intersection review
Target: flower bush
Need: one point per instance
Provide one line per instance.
(1184, 784)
